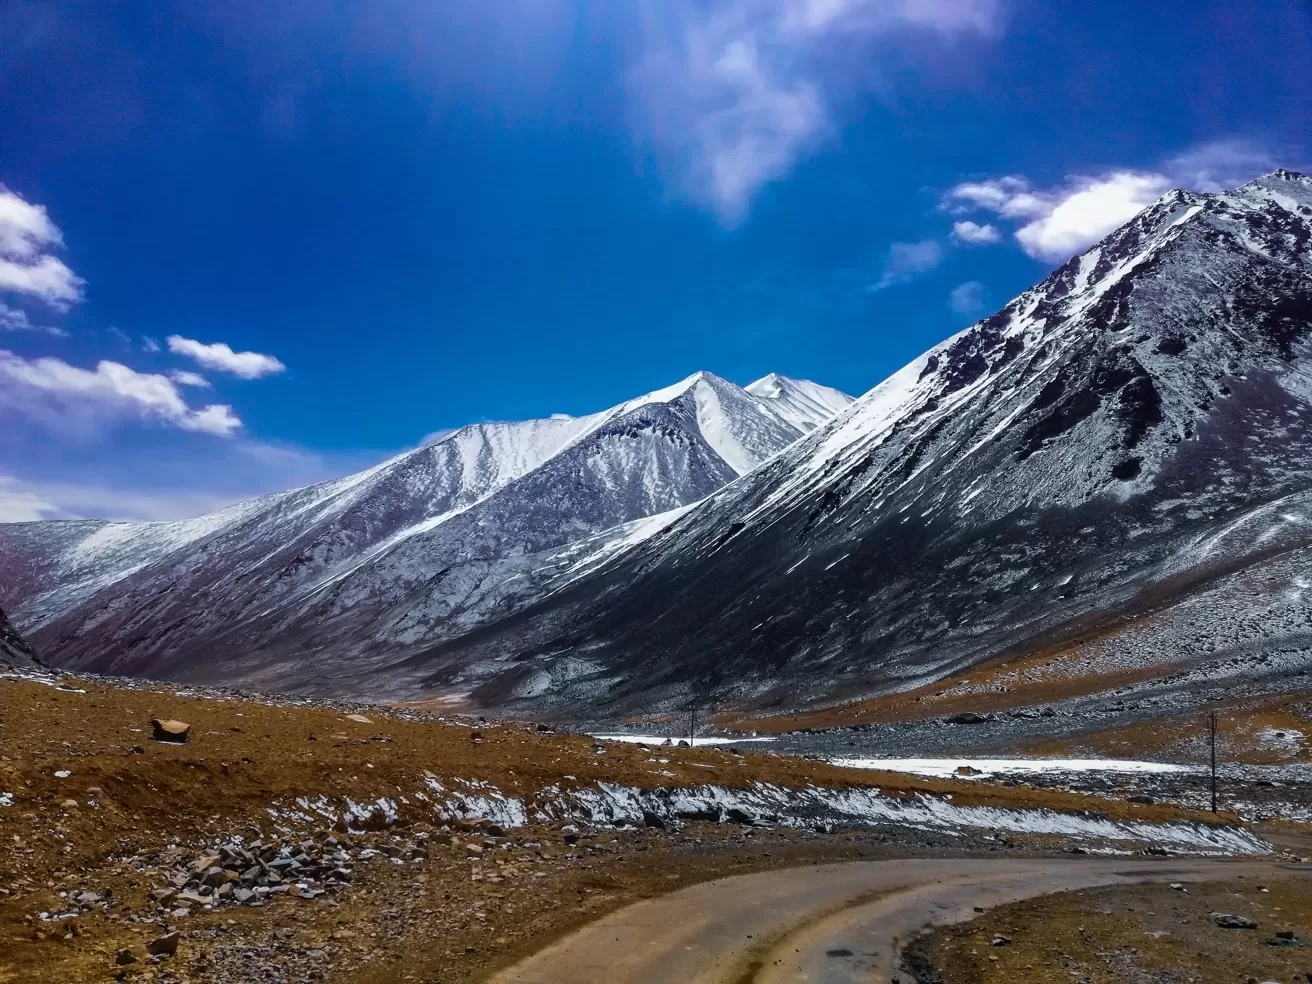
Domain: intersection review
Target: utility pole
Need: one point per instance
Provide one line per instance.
(692, 726)
(1211, 729)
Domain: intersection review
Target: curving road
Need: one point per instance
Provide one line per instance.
(827, 924)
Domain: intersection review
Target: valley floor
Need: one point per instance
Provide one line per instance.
(292, 840)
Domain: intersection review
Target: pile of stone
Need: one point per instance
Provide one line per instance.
(249, 873)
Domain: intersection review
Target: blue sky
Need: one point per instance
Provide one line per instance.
(253, 244)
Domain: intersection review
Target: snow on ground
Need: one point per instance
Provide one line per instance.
(805, 807)
(40, 676)
(982, 768)
(813, 807)
(1281, 738)
(675, 739)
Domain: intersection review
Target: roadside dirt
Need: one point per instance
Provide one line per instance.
(1150, 934)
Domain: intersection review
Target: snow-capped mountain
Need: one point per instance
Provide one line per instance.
(804, 404)
(14, 651)
(1122, 452)
(294, 586)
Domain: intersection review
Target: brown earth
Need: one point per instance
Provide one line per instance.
(1149, 934)
(129, 807)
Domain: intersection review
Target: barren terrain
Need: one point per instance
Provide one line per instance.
(294, 840)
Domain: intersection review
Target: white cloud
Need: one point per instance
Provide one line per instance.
(219, 356)
(184, 378)
(149, 344)
(967, 298)
(906, 260)
(26, 265)
(974, 234)
(1089, 210)
(1060, 222)
(1056, 223)
(48, 388)
(732, 93)
(18, 505)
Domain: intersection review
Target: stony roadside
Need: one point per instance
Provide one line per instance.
(126, 857)
(1234, 931)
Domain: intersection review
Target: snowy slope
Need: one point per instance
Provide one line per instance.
(804, 404)
(420, 547)
(1061, 461)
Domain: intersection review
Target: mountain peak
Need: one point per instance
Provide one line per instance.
(801, 402)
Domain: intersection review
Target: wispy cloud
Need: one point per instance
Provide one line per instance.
(967, 298)
(1222, 164)
(184, 378)
(15, 319)
(21, 505)
(1055, 223)
(907, 260)
(733, 93)
(143, 484)
(56, 393)
(27, 263)
(220, 356)
(24, 501)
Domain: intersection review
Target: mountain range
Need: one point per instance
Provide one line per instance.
(313, 588)
(1104, 487)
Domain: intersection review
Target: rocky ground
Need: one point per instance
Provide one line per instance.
(1233, 931)
(291, 841)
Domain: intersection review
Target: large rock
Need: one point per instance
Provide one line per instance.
(173, 732)
(1228, 920)
(164, 946)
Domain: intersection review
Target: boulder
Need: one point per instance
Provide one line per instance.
(170, 731)
(569, 834)
(1228, 920)
(967, 717)
(358, 719)
(164, 946)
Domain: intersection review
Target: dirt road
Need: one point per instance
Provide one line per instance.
(824, 924)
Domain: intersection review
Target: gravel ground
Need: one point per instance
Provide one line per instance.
(1151, 934)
